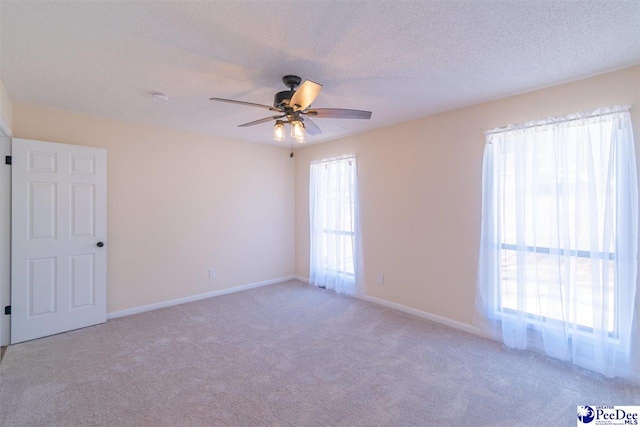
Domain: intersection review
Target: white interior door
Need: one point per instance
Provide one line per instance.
(59, 230)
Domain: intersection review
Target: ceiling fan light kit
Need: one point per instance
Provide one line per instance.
(278, 131)
(294, 106)
(297, 131)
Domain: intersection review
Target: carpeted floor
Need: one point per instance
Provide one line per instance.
(290, 355)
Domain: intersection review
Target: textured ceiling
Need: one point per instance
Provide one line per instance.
(401, 60)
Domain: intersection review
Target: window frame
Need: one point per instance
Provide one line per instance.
(341, 273)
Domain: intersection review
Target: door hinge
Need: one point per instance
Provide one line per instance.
(7, 309)
(7, 160)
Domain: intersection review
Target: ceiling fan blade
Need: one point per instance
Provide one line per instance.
(338, 113)
(305, 95)
(310, 126)
(257, 122)
(249, 104)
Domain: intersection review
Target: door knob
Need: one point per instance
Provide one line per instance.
(100, 244)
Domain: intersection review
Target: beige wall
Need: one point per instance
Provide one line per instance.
(181, 203)
(420, 185)
(6, 110)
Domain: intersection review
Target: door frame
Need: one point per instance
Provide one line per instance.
(5, 234)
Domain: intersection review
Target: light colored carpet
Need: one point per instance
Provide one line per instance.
(291, 355)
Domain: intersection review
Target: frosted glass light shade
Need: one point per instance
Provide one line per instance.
(297, 131)
(278, 131)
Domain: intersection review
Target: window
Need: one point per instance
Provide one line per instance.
(559, 238)
(333, 224)
(554, 194)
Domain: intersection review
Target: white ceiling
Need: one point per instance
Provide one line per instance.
(402, 60)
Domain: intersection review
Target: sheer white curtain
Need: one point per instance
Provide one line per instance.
(335, 232)
(558, 255)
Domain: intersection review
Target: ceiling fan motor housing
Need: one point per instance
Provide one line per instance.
(282, 98)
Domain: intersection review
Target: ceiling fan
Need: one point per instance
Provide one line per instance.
(293, 106)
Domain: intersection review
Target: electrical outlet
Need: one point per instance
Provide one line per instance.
(212, 273)
(381, 279)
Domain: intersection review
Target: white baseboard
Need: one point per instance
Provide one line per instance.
(163, 304)
(414, 311)
(425, 315)
(410, 310)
